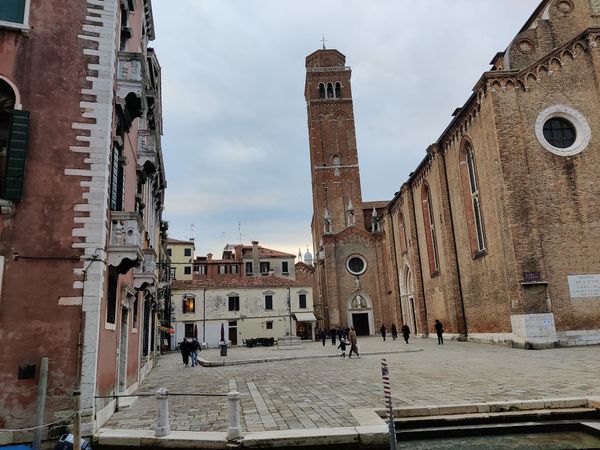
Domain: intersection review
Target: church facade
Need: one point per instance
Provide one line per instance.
(495, 232)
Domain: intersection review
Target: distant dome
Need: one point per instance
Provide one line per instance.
(308, 257)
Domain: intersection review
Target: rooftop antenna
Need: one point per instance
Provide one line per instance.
(323, 41)
(223, 239)
(240, 230)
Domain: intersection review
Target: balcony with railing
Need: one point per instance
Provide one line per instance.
(125, 240)
(147, 148)
(146, 274)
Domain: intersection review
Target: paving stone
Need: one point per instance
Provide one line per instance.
(320, 392)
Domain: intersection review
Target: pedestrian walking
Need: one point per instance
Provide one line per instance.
(184, 347)
(439, 329)
(353, 343)
(383, 331)
(333, 334)
(195, 348)
(394, 331)
(323, 336)
(405, 332)
(342, 347)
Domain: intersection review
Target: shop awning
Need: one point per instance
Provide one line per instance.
(305, 317)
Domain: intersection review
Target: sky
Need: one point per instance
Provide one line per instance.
(235, 140)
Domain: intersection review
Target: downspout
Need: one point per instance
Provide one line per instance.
(462, 302)
(204, 316)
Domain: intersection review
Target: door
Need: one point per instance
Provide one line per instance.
(233, 332)
(123, 350)
(360, 321)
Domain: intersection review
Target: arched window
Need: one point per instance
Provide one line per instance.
(329, 90)
(430, 231)
(336, 160)
(472, 201)
(321, 90)
(338, 90)
(402, 234)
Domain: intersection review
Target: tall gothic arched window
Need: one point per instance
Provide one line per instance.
(472, 200)
(402, 234)
(329, 90)
(338, 90)
(430, 230)
(321, 90)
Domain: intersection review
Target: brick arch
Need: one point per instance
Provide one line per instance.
(15, 90)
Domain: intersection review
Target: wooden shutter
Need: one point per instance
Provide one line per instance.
(18, 139)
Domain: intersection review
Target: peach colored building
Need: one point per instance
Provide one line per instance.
(81, 194)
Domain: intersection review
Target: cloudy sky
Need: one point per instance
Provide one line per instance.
(235, 129)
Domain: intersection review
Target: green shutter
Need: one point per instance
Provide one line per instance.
(12, 10)
(18, 139)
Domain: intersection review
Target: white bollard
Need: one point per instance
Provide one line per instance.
(162, 413)
(234, 431)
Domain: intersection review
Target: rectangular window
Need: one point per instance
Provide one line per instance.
(187, 270)
(111, 305)
(302, 301)
(189, 330)
(169, 252)
(234, 303)
(265, 267)
(248, 268)
(202, 270)
(222, 269)
(268, 302)
(234, 269)
(284, 267)
(117, 180)
(14, 12)
(187, 252)
(269, 325)
(189, 305)
(134, 320)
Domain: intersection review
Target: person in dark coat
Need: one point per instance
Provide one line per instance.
(323, 336)
(394, 331)
(342, 347)
(405, 332)
(383, 331)
(439, 329)
(333, 334)
(195, 348)
(186, 349)
(353, 343)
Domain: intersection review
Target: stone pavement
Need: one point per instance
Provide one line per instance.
(320, 392)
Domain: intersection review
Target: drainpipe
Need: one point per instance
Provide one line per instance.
(204, 316)
(290, 308)
(462, 302)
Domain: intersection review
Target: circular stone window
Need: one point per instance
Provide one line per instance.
(525, 46)
(562, 130)
(356, 265)
(565, 6)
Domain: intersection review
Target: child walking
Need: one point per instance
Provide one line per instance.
(342, 347)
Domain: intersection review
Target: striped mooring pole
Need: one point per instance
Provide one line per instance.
(387, 391)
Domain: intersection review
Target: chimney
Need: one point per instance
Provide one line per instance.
(209, 256)
(255, 259)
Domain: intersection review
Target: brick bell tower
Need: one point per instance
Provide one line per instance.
(337, 200)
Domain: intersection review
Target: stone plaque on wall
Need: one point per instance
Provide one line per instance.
(595, 5)
(584, 286)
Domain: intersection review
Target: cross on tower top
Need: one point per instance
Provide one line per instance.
(323, 41)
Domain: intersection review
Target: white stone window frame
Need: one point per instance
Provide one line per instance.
(579, 122)
(356, 255)
(24, 27)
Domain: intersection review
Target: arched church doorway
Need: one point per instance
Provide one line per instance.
(407, 301)
(360, 314)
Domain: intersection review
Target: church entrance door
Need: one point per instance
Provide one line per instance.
(360, 321)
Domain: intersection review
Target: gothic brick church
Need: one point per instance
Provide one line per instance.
(495, 233)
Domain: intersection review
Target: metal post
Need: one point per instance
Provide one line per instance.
(162, 413)
(234, 431)
(41, 404)
(77, 420)
(387, 391)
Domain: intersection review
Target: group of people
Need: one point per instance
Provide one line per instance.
(190, 347)
(335, 334)
(405, 332)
